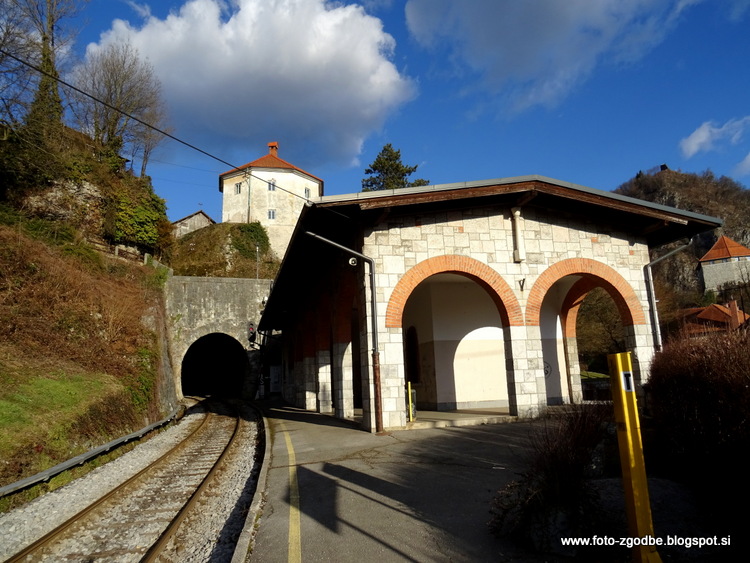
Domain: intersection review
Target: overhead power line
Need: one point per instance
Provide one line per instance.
(152, 127)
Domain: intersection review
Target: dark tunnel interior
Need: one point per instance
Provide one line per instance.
(215, 364)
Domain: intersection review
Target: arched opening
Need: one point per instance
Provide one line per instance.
(215, 364)
(557, 371)
(599, 331)
(580, 306)
(553, 304)
(454, 345)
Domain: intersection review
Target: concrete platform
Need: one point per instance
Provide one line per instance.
(329, 491)
(444, 419)
(469, 417)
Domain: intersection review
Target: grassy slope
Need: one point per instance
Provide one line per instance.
(222, 250)
(77, 367)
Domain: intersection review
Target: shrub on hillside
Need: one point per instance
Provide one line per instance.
(699, 397)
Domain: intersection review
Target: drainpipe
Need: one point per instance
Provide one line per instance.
(519, 249)
(652, 295)
(374, 305)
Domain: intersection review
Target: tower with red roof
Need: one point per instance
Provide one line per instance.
(271, 191)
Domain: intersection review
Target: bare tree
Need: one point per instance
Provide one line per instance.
(145, 138)
(117, 76)
(41, 24)
(14, 75)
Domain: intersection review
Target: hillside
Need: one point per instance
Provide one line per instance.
(80, 349)
(225, 250)
(678, 280)
(702, 193)
(86, 186)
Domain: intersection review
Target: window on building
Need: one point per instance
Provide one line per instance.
(307, 193)
(238, 188)
(272, 186)
(272, 214)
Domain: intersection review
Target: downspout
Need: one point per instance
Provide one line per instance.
(519, 248)
(652, 294)
(374, 306)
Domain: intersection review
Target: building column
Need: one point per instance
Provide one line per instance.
(573, 370)
(342, 370)
(324, 383)
(527, 366)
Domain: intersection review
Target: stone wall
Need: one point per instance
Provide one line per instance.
(719, 273)
(197, 306)
(518, 272)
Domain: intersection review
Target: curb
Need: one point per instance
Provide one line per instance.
(245, 542)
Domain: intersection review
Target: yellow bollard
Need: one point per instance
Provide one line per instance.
(637, 504)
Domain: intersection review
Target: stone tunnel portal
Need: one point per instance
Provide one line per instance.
(215, 364)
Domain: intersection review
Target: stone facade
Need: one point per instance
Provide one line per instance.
(479, 243)
(731, 271)
(198, 307)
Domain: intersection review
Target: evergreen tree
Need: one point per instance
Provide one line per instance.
(45, 114)
(387, 172)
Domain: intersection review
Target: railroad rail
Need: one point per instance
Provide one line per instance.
(137, 519)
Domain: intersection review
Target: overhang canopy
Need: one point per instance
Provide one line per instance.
(342, 218)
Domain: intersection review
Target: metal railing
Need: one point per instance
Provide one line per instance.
(47, 474)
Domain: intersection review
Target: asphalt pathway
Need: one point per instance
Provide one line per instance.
(335, 493)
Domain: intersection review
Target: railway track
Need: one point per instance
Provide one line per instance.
(139, 519)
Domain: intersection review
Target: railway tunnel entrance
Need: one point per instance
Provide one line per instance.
(215, 364)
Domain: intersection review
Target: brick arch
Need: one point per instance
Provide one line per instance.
(594, 274)
(497, 288)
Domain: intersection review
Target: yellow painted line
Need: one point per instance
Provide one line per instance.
(295, 544)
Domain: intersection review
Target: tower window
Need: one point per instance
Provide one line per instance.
(272, 214)
(272, 186)
(238, 188)
(307, 193)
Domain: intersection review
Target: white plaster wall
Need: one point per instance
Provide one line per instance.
(461, 344)
(557, 389)
(255, 201)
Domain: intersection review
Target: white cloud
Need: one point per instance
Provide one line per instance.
(738, 10)
(708, 135)
(537, 52)
(743, 168)
(143, 10)
(315, 76)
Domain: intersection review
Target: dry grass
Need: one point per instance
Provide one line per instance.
(222, 250)
(551, 497)
(77, 366)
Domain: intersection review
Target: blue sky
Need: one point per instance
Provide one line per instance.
(585, 91)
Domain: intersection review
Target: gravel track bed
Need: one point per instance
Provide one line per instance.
(212, 536)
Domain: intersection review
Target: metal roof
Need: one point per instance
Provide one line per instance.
(437, 188)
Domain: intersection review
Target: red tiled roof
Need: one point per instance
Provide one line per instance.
(715, 312)
(725, 248)
(709, 319)
(269, 161)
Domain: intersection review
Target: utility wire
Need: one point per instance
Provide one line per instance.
(130, 116)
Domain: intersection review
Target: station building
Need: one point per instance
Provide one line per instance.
(468, 291)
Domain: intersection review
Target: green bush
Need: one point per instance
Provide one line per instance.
(135, 218)
(249, 238)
